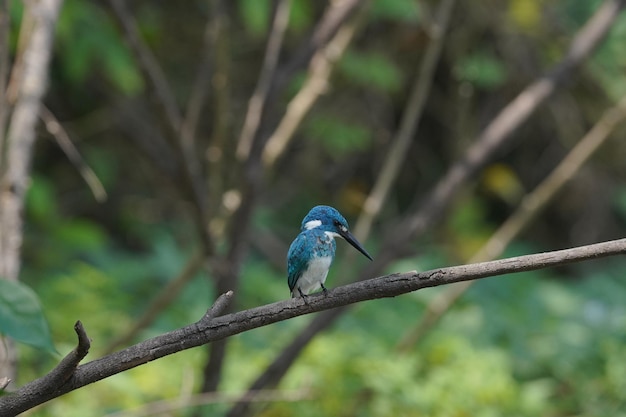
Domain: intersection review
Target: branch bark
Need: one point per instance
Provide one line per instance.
(211, 328)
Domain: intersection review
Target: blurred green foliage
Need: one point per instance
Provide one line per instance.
(482, 70)
(546, 343)
(371, 70)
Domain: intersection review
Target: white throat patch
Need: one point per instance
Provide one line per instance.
(312, 224)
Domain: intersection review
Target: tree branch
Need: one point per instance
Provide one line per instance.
(211, 328)
(411, 116)
(171, 117)
(530, 207)
(56, 129)
(270, 61)
(493, 138)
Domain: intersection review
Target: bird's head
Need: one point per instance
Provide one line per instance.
(329, 220)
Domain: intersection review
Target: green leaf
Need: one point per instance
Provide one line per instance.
(21, 316)
(339, 137)
(398, 10)
(300, 15)
(255, 15)
(372, 70)
(481, 69)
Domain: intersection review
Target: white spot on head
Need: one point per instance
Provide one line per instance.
(312, 224)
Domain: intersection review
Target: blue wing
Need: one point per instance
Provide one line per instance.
(297, 259)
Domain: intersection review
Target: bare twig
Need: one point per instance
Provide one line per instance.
(61, 375)
(257, 101)
(4, 74)
(530, 207)
(409, 123)
(316, 84)
(149, 65)
(65, 143)
(200, 88)
(166, 103)
(333, 19)
(21, 133)
(497, 134)
(213, 327)
(220, 149)
(167, 406)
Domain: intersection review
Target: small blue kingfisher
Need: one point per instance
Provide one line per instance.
(312, 252)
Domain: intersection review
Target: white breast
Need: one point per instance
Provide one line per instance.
(315, 275)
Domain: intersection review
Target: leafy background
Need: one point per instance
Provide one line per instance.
(546, 343)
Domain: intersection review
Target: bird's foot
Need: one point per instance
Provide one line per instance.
(303, 296)
(324, 290)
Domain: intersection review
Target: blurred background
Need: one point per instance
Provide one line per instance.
(180, 144)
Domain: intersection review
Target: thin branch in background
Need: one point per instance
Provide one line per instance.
(165, 102)
(212, 326)
(409, 124)
(529, 208)
(27, 26)
(65, 143)
(20, 136)
(148, 64)
(492, 139)
(200, 87)
(316, 84)
(168, 406)
(5, 26)
(219, 152)
(270, 61)
(163, 299)
(333, 19)
(497, 134)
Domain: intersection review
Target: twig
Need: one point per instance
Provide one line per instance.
(530, 207)
(200, 88)
(165, 406)
(408, 126)
(497, 134)
(21, 133)
(148, 64)
(49, 384)
(65, 143)
(166, 104)
(160, 302)
(315, 85)
(333, 19)
(270, 61)
(4, 74)
(211, 328)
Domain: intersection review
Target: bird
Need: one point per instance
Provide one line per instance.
(313, 250)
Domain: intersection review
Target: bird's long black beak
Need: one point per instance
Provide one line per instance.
(352, 240)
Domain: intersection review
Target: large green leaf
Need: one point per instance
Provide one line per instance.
(21, 316)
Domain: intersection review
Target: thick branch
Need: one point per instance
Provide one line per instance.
(211, 328)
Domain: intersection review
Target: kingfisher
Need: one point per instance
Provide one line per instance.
(312, 252)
